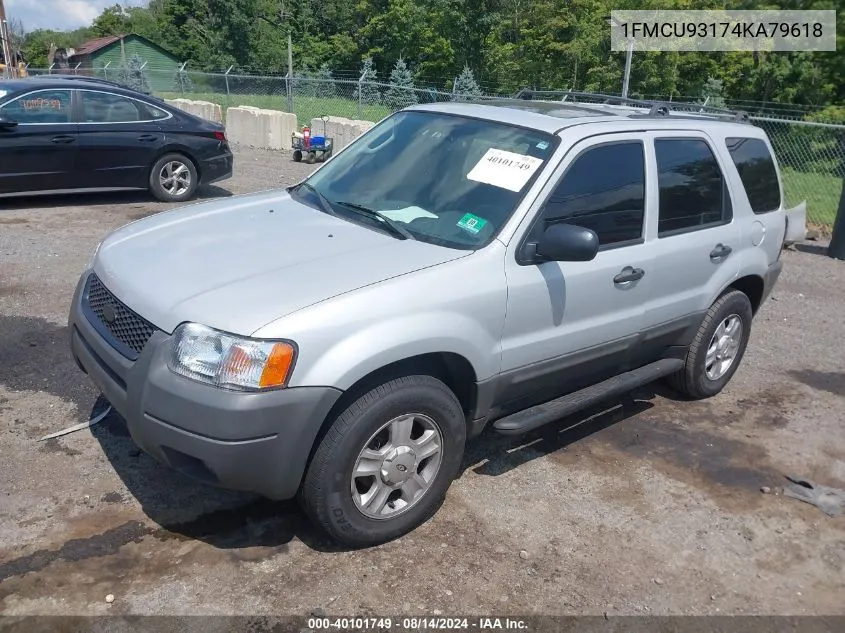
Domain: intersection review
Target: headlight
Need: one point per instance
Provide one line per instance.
(225, 360)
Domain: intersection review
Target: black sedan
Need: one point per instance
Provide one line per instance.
(71, 134)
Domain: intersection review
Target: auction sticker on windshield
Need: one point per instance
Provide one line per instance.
(504, 169)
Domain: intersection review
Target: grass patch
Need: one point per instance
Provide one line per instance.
(305, 108)
(821, 191)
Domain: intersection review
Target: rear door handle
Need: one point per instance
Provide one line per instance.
(63, 138)
(720, 252)
(147, 137)
(629, 274)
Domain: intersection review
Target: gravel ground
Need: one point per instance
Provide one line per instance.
(649, 506)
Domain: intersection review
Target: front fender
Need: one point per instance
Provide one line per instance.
(370, 348)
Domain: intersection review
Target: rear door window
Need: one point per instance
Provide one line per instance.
(757, 171)
(692, 190)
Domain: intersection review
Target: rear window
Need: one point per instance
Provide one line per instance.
(757, 171)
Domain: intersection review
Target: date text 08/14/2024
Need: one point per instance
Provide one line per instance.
(415, 623)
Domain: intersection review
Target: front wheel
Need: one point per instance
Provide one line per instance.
(717, 349)
(384, 466)
(173, 178)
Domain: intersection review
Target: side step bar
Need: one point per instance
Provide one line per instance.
(541, 414)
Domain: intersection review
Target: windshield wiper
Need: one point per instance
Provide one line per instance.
(394, 226)
(325, 203)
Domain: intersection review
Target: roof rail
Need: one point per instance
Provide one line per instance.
(655, 108)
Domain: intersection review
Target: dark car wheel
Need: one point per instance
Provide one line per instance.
(717, 349)
(384, 466)
(173, 178)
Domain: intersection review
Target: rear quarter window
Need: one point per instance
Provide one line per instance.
(757, 171)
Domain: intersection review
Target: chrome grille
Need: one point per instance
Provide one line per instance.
(130, 331)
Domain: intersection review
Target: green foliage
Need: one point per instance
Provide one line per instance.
(510, 44)
(401, 92)
(182, 82)
(369, 92)
(114, 20)
(711, 93)
(134, 75)
(326, 88)
(465, 86)
(36, 44)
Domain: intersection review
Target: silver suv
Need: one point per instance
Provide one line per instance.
(459, 266)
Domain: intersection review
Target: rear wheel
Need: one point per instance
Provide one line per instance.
(173, 178)
(717, 349)
(297, 156)
(385, 464)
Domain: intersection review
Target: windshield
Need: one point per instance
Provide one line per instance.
(445, 179)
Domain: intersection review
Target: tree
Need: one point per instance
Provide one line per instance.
(134, 76)
(712, 93)
(369, 92)
(465, 86)
(182, 81)
(114, 20)
(401, 92)
(325, 82)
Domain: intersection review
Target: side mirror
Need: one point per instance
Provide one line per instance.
(568, 243)
(6, 122)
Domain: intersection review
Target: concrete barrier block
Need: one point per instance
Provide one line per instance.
(256, 127)
(203, 109)
(341, 129)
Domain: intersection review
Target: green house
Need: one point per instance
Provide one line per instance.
(106, 55)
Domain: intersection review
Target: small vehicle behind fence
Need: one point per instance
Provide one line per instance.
(310, 147)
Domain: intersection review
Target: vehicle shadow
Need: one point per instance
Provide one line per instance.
(812, 249)
(493, 454)
(109, 198)
(234, 520)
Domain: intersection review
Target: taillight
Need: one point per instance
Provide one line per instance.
(220, 136)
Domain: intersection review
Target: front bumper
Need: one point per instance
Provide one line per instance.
(258, 442)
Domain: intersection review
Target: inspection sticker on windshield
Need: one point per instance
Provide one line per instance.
(504, 169)
(472, 223)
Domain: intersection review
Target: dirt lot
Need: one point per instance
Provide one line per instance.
(651, 506)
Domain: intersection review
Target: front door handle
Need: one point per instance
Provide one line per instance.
(63, 138)
(147, 137)
(720, 252)
(629, 274)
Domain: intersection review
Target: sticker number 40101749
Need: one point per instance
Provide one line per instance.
(504, 169)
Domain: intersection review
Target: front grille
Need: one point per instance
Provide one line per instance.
(127, 331)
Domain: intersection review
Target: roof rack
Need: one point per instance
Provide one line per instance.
(655, 108)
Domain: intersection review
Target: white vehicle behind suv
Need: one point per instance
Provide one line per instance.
(458, 266)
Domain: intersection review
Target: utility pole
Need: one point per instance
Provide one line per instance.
(290, 73)
(6, 41)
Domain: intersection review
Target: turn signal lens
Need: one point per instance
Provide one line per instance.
(277, 366)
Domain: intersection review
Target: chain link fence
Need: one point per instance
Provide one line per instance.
(809, 145)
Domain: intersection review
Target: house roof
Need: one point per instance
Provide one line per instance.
(94, 45)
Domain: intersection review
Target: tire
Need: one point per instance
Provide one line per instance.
(694, 380)
(297, 156)
(181, 188)
(327, 490)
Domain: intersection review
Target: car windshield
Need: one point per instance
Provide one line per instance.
(445, 179)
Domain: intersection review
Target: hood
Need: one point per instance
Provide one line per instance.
(237, 264)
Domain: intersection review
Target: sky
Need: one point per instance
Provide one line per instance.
(59, 14)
